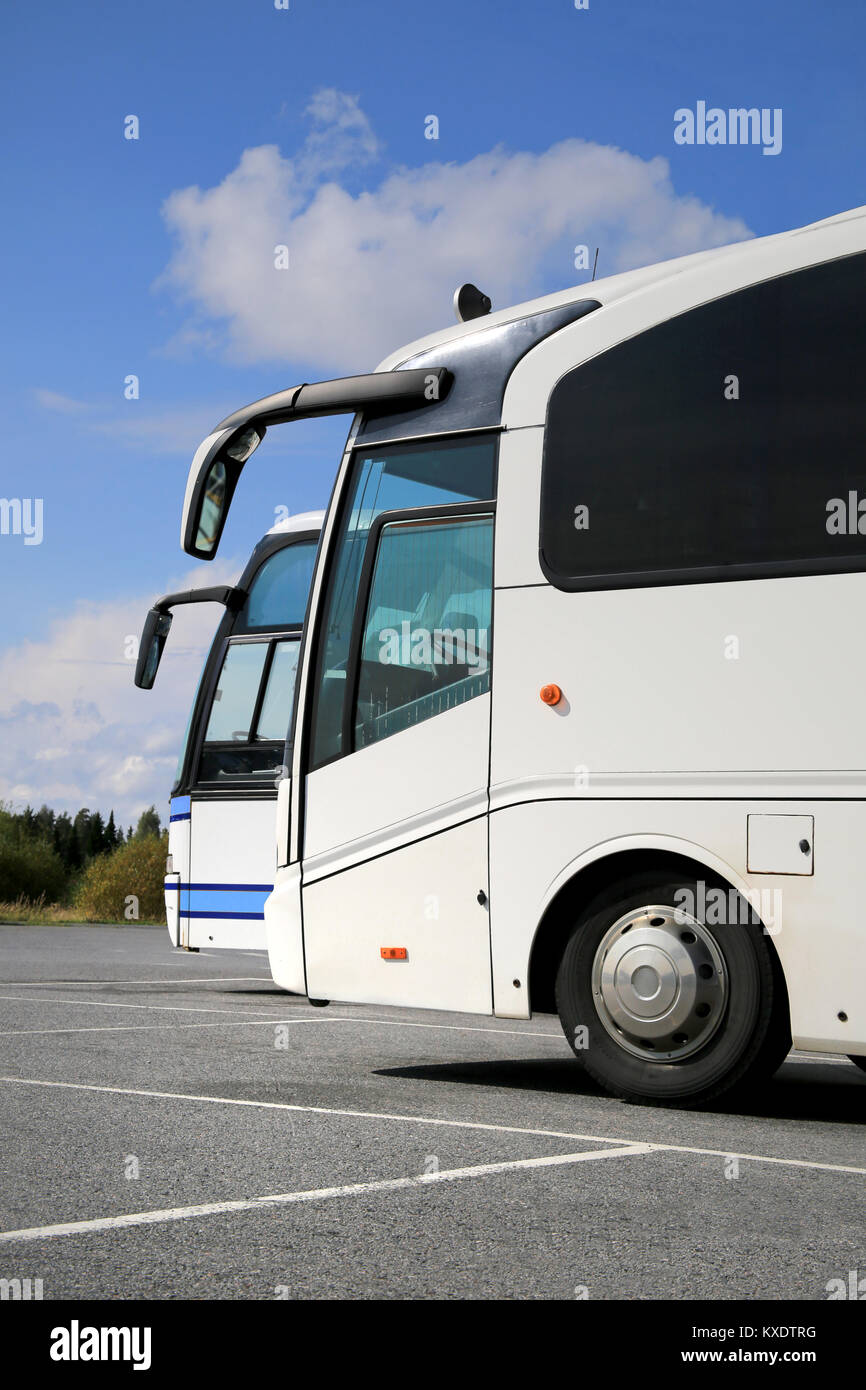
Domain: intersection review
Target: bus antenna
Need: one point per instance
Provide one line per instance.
(595, 263)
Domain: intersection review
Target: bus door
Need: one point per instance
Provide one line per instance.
(394, 872)
(233, 801)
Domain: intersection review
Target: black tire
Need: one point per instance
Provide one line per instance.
(858, 1062)
(752, 1031)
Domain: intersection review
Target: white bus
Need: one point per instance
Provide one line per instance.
(221, 859)
(578, 724)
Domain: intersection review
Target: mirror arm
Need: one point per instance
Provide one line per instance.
(225, 594)
(158, 623)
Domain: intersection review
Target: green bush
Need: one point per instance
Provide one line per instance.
(126, 885)
(30, 869)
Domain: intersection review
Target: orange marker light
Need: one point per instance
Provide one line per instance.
(394, 953)
(550, 694)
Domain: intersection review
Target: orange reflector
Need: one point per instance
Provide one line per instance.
(394, 953)
(550, 694)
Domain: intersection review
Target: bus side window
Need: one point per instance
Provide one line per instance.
(273, 721)
(425, 645)
(249, 717)
(710, 446)
(234, 700)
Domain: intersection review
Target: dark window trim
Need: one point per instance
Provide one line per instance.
(702, 574)
(209, 792)
(706, 574)
(246, 781)
(315, 636)
(365, 446)
(260, 696)
(407, 515)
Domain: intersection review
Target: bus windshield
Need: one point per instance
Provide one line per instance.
(278, 595)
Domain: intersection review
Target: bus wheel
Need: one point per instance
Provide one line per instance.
(662, 1008)
(858, 1062)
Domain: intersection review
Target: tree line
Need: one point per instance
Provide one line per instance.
(46, 853)
(76, 840)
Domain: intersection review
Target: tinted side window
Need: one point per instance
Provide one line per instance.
(729, 436)
(234, 699)
(431, 473)
(250, 713)
(425, 644)
(278, 595)
(276, 711)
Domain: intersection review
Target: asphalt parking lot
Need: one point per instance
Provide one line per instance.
(175, 1127)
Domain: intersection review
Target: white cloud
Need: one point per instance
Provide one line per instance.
(370, 270)
(97, 741)
(62, 405)
(175, 430)
(341, 134)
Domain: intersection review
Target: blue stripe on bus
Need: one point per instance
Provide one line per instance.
(183, 815)
(229, 901)
(225, 902)
(233, 916)
(231, 887)
(235, 899)
(219, 887)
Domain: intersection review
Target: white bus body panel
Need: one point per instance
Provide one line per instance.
(284, 935)
(232, 867)
(422, 898)
(397, 855)
(178, 853)
(417, 782)
(684, 684)
(657, 709)
(815, 922)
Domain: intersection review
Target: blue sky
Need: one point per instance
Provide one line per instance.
(306, 127)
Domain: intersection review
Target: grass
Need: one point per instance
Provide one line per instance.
(38, 913)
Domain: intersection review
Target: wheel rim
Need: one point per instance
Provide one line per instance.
(659, 983)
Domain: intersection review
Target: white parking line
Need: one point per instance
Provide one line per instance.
(319, 1194)
(556, 1034)
(332, 1018)
(167, 1027)
(432, 1120)
(187, 980)
(257, 1023)
(107, 1004)
(310, 1109)
(245, 1023)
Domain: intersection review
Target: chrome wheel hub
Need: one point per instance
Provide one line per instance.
(659, 983)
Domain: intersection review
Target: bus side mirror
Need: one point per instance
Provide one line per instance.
(213, 477)
(153, 637)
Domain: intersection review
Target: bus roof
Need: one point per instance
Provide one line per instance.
(302, 521)
(619, 286)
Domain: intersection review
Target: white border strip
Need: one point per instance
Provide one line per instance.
(433, 1120)
(319, 1194)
